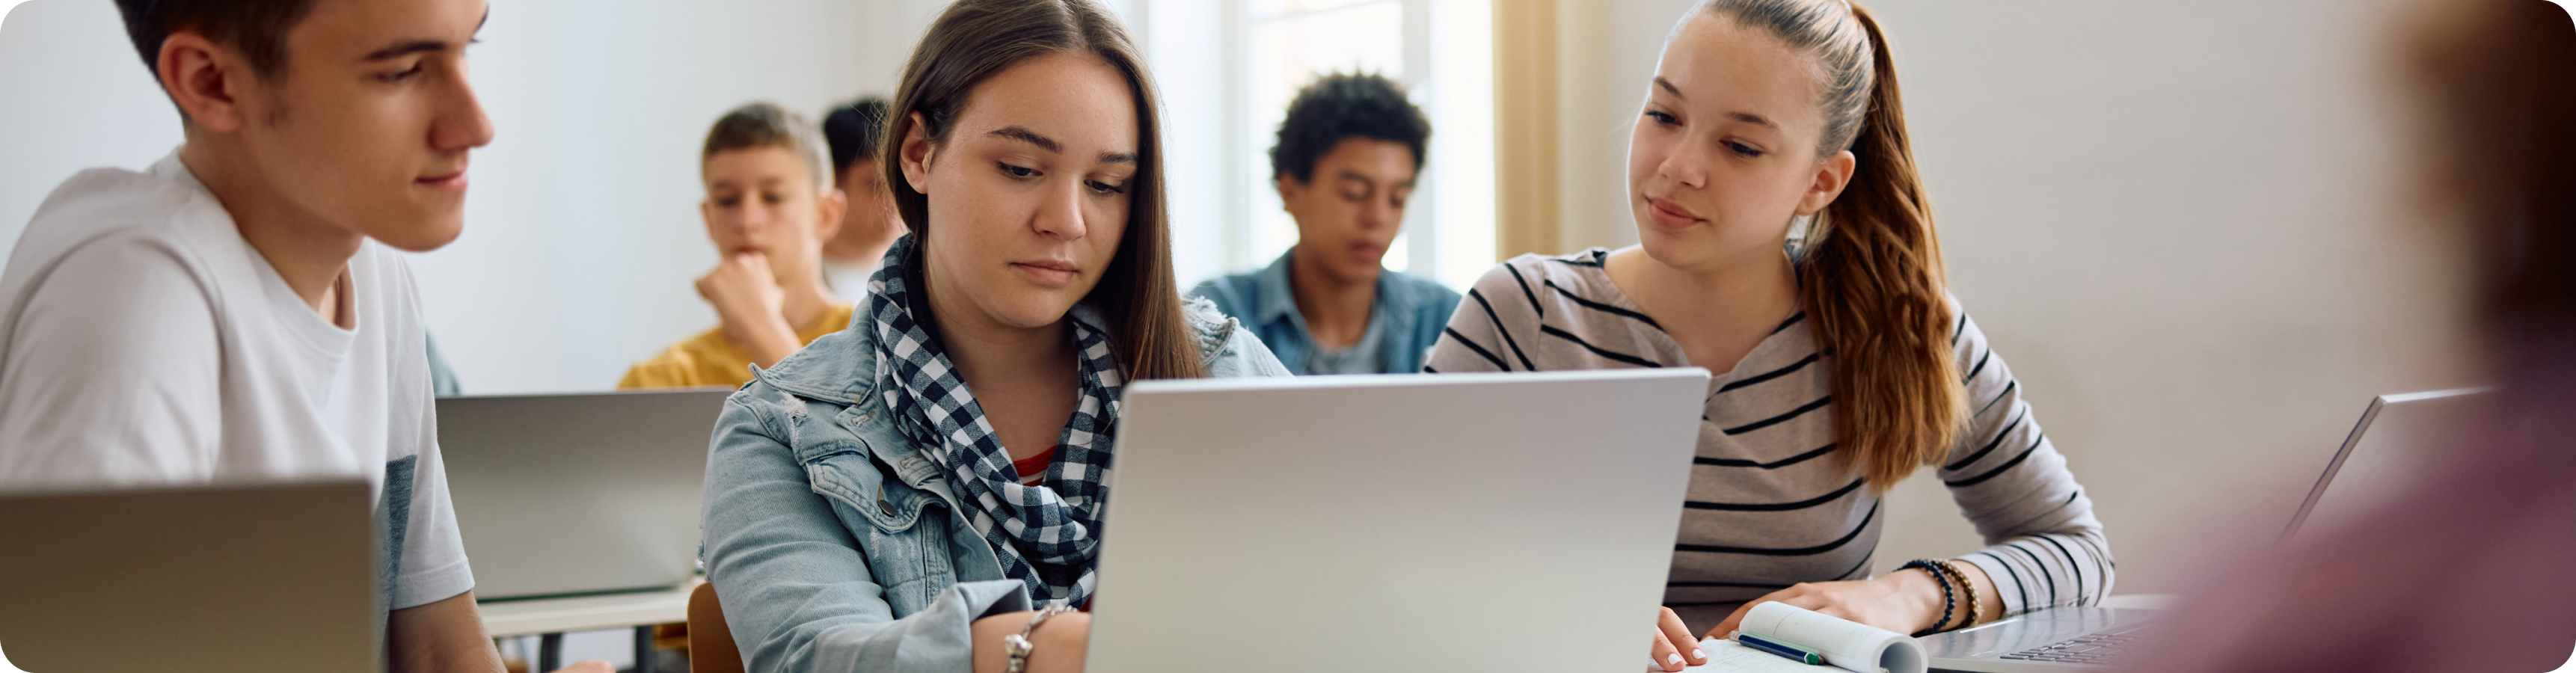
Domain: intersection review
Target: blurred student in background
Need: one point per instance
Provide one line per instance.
(1347, 160)
(770, 206)
(2466, 570)
(870, 225)
(1842, 363)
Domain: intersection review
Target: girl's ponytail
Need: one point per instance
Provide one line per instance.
(1874, 289)
(1870, 273)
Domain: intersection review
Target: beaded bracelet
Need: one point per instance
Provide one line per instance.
(1965, 587)
(1949, 599)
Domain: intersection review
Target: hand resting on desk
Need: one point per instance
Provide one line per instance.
(1905, 601)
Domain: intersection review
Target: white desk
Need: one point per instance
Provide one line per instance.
(587, 613)
(551, 617)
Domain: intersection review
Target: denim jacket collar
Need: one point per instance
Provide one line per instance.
(1277, 300)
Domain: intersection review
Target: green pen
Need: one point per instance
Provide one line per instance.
(1782, 648)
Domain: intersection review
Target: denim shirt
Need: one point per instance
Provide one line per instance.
(835, 543)
(1411, 308)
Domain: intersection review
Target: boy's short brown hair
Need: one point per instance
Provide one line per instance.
(767, 125)
(256, 27)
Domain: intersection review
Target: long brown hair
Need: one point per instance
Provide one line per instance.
(976, 39)
(1871, 275)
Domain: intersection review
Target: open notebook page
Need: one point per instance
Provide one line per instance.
(1847, 645)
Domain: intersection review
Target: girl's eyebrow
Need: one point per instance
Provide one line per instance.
(1669, 88)
(1031, 137)
(1746, 117)
(1022, 134)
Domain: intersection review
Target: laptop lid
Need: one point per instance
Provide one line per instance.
(243, 577)
(2381, 451)
(1393, 522)
(577, 494)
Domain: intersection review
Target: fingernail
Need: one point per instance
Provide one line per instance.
(1696, 654)
(1674, 658)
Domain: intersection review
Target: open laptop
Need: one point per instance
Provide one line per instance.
(1518, 522)
(2372, 460)
(563, 495)
(243, 577)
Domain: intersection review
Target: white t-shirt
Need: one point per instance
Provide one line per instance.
(849, 281)
(143, 342)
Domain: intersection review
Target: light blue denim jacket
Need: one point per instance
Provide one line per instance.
(1411, 310)
(834, 543)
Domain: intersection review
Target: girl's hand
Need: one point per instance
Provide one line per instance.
(1674, 646)
(1905, 602)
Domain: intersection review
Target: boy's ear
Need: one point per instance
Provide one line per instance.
(916, 151)
(1288, 189)
(831, 206)
(206, 80)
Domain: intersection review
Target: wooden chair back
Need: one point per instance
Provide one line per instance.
(711, 648)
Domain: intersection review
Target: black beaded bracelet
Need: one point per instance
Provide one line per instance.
(1949, 597)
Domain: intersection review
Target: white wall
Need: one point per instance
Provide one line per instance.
(2184, 222)
(73, 94)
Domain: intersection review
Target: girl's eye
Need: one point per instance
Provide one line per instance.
(1661, 117)
(1106, 188)
(1747, 151)
(1019, 172)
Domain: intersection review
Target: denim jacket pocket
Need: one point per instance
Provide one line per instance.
(893, 525)
(857, 482)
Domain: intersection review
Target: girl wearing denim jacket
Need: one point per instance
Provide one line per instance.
(900, 495)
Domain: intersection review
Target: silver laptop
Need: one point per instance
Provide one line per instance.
(2372, 461)
(1517, 522)
(248, 577)
(564, 495)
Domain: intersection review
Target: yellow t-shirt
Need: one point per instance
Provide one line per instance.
(708, 360)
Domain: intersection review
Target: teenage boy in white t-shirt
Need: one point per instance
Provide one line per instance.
(238, 311)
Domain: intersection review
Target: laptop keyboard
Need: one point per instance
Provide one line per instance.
(2095, 649)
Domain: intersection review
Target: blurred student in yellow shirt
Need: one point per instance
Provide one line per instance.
(770, 205)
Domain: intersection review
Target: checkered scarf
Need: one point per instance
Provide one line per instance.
(1046, 536)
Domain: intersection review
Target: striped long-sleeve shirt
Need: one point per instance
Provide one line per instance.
(1767, 506)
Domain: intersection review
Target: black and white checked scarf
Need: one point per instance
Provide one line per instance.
(1046, 536)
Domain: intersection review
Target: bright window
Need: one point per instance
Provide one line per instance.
(1229, 70)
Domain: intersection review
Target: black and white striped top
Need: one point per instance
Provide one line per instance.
(1767, 507)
